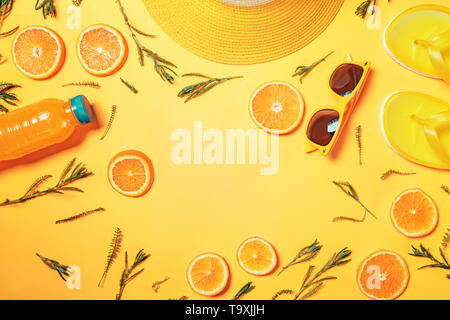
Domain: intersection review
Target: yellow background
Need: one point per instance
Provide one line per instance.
(200, 208)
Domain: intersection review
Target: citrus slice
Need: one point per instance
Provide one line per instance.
(131, 173)
(208, 274)
(414, 213)
(257, 256)
(38, 52)
(277, 107)
(383, 275)
(102, 50)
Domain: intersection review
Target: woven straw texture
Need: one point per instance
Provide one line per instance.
(232, 34)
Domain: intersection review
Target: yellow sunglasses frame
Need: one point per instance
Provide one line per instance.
(345, 107)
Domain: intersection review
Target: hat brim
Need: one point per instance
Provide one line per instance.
(243, 35)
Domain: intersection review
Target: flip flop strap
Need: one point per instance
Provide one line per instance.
(436, 47)
(432, 126)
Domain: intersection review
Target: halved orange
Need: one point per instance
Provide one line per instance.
(208, 274)
(102, 50)
(277, 107)
(414, 213)
(257, 256)
(131, 173)
(38, 52)
(383, 275)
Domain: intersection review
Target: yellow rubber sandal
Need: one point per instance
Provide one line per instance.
(417, 126)
(419, 40)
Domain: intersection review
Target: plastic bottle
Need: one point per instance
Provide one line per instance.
(41, 124)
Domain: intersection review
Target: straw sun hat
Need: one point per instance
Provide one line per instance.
(243, 31)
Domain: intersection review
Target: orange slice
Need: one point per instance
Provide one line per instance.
(208, 274)
(277, 107)
(38, 52)
(257, 256)
(102, 50)
(383, 275)
(414, 213)
(131, 173)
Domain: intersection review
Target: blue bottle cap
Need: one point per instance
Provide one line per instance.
(82, 109)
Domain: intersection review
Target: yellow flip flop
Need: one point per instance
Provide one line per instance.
(417, 126)
(419, 40)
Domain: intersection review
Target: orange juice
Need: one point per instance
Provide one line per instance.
(41, 124)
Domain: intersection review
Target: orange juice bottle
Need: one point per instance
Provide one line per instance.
(41, 124)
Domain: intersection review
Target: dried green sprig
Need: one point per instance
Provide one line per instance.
(364, 7)
(243, 291)
(303, 71)
(200, 88)
(163, 67)
(359, 143)
(6, 96)
(78, 216)
(90, 84)
(157, 284)
(9, 33)
(391, 172)
(315, 282)
(110, 122)
(47, 7)
(281, 293)
(446, 189)
(422, 252)
(114, 249)
(446, 239)
(78, 172)
(306, 254)
(129, 86)
(55, 265)
(348, 189)
(127, 274)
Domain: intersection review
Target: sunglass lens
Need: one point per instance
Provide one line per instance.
(345, 78)
(322, 126)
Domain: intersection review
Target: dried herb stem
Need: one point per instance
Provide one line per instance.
(78, 216)
(9, 33)
(78, 172)
(348, 189)
(315, 282)
(446, 239)
(391, 172)
(114, 249)
(77, 2)
(446, 189)
(55, 265)
(157, 284)
(200, 88)
(129, 86)
(110, 122)
(364, 7)
(163, 67)
(243, 291)
(7, 96)
(47, 7)
(90, 84)
(422, 252)
(303, 71)
(282, 292)
(127, 274)
(359, 143)
(306, 254)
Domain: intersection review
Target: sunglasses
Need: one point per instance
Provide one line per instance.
(346, 82)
